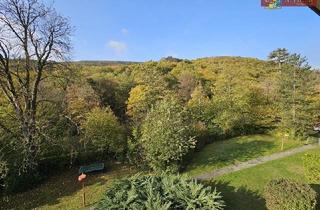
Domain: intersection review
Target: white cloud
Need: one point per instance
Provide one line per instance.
(117, 46)
(124, 31)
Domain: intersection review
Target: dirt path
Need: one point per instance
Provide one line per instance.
(254, 162)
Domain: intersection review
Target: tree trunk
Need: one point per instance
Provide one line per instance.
(30, 147)
(294, 102)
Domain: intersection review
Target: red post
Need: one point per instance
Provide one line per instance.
(84, 195)
(81, 178)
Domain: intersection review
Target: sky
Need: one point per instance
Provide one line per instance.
(141, 30)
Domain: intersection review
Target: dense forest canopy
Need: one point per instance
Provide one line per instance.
(128, 111)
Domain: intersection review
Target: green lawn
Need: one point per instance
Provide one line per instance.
(242, 190)
(244, 148)
(64, 192)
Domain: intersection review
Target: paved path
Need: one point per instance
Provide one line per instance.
(254, 162)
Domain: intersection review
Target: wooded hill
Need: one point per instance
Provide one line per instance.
(92, 111)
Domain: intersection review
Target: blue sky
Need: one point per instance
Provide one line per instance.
(140, 30)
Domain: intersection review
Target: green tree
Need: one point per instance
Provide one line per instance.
(298, 61)
(80, 99)
(113, 90)
(202, 113)
(279, 56)
(235, 107)
(298, 107)
(199, 104)
(141, 98)
(103, 131)
(165, 135)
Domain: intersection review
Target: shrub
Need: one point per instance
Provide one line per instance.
(311, 163)
(285, 194)
(162, 192)
(165, 136)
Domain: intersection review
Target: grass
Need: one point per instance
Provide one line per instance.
(240, 149)
(243, 190)
(64, 192)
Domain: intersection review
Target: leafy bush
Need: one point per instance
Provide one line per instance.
(285, 194)
(311, 163)
(165, 135)
(162, 192)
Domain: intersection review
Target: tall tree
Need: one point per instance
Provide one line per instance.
(166, 135)
(32, 37)
(279, 56)
(297, 102)
(296, 89)
(234, 105)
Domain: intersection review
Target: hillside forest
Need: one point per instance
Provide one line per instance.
(154, 115)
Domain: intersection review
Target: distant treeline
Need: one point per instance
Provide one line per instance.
(104, 63)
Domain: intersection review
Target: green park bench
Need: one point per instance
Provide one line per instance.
(91, 168)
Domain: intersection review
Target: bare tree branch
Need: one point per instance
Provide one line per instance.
(32, 37)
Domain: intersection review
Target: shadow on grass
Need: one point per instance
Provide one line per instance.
(316, 187)
(226, 154)
(248, 150)
(239, 198)
(50, 192)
